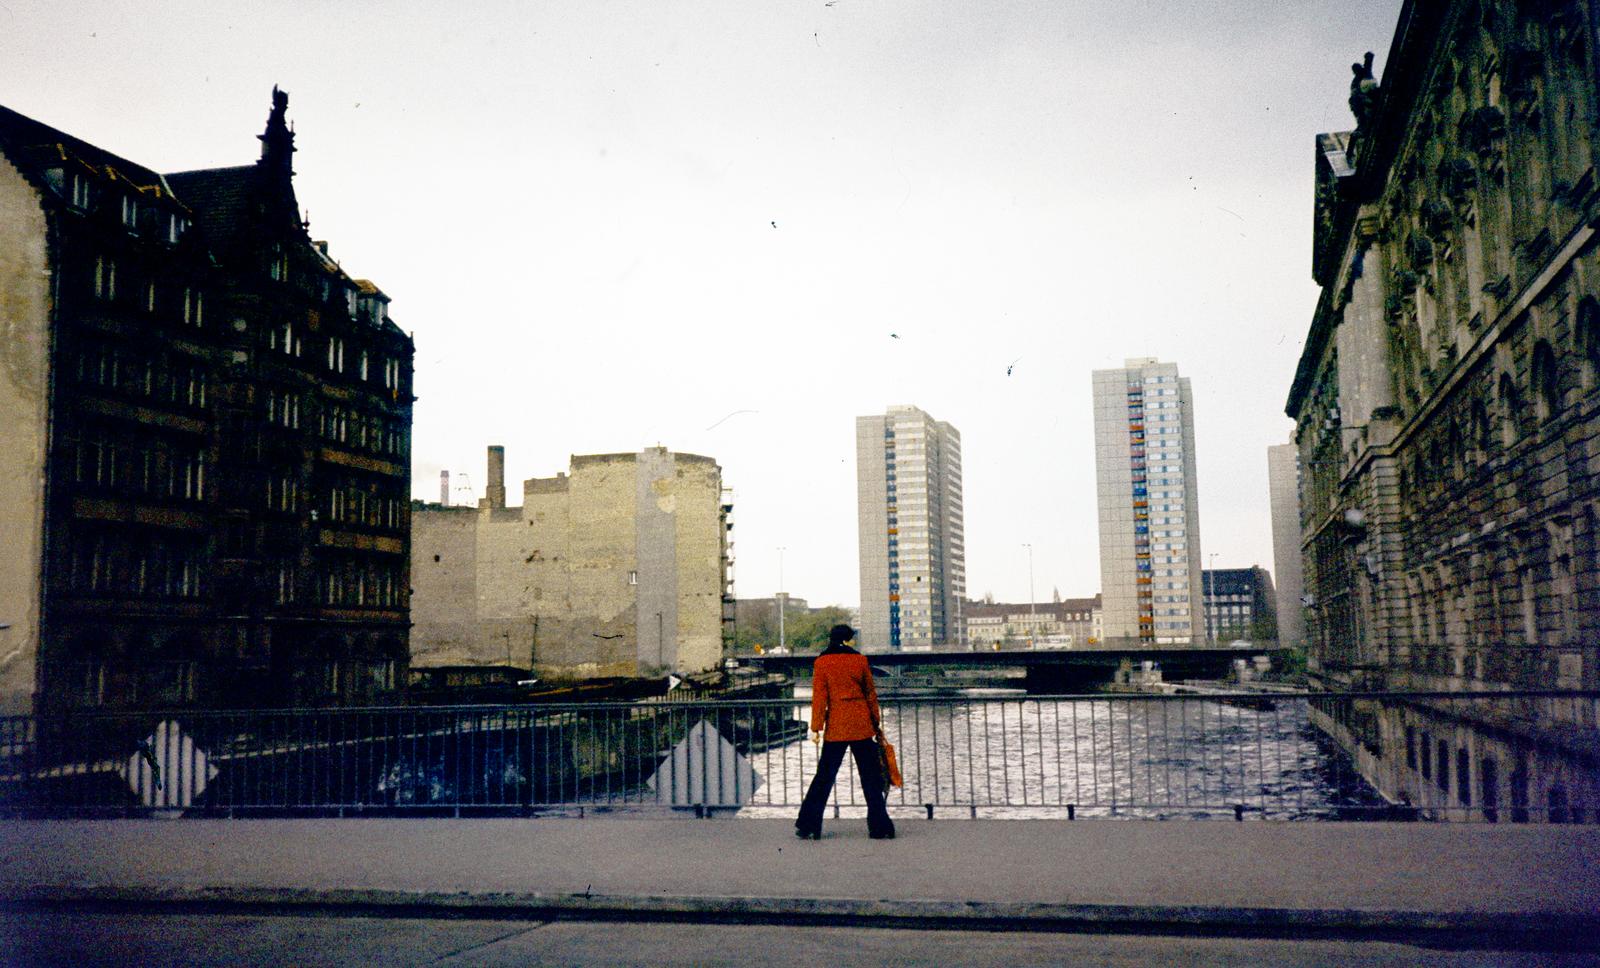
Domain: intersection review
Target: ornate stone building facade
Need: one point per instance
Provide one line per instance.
(1448, 408)
(206, 426)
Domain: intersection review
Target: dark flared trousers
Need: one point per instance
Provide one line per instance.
(865, 752)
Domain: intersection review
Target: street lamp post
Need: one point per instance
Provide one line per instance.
(1211, 596)
(783, 601)
(1031, 620)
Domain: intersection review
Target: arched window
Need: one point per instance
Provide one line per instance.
(1510, 411)
(1586, 551)
(1457, 451)
(1482, 429)
(1587, 332)
(1546, 380)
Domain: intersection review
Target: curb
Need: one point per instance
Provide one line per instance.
(1544, 930)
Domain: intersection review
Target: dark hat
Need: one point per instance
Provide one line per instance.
(840, 634)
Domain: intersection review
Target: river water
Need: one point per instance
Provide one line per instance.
(1021, 758)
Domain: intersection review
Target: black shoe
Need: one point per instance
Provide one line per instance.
(804, 834)
(886, 835)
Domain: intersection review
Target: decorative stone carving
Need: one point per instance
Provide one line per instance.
(1363, 91)
(1394, 308)
(1524, 63)
(1405, 281)
(1483, 129)
(1437, 217)
(1458, 177)
(1420, 251)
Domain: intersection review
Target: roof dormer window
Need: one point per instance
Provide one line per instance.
(80, 192)
(350, 302)
(176, 226)
(130, 213)
(278, 264)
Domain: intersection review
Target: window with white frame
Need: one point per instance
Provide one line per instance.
(105, 278)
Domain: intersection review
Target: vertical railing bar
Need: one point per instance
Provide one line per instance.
(1261, 766)
(1300, 740)
(988, 764)
(172, 786)
(1166, 754)
(1038, 720)
(662, 777)
(1077, 747)
(916, 729)
(1005, 753)
(972, 788)
(707, 753)
(1150, 705)
(1278, 744)
(326, 741)
(1128, 751)
(293, 800)
(1186, 781)
(1061, 776)
(1238, 728)
(1111, 752)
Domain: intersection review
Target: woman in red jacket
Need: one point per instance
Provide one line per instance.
(844, 711)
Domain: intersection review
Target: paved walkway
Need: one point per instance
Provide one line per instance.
(1256, 876)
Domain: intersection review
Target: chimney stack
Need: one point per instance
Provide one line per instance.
(495, 493)
(444, 488)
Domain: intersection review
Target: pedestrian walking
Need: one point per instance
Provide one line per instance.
(844, 717)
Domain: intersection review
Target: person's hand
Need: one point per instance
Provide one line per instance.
(816, 738)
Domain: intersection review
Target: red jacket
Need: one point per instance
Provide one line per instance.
(844, 703)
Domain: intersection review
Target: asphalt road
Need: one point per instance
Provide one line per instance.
(89, 939)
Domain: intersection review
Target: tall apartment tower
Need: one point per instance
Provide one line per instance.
(1283, 486)
(1149, 505)
(913, 550)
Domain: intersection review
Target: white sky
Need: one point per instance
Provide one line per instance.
(573, 206)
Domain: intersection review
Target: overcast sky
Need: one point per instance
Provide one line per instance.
(612, 225)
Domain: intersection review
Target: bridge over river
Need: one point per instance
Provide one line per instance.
(1048, 670)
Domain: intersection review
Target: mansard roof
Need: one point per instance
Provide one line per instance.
(219, 198)
(39, 146)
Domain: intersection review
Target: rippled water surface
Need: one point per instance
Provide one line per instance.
(1125, 756)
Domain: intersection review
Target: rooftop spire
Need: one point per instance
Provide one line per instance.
(277, 142)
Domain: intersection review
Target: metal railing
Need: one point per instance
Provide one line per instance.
(1506, 757)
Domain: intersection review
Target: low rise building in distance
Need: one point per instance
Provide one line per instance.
(617, 568)
(205, 443)
(1241, 605)
(1069, 624)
